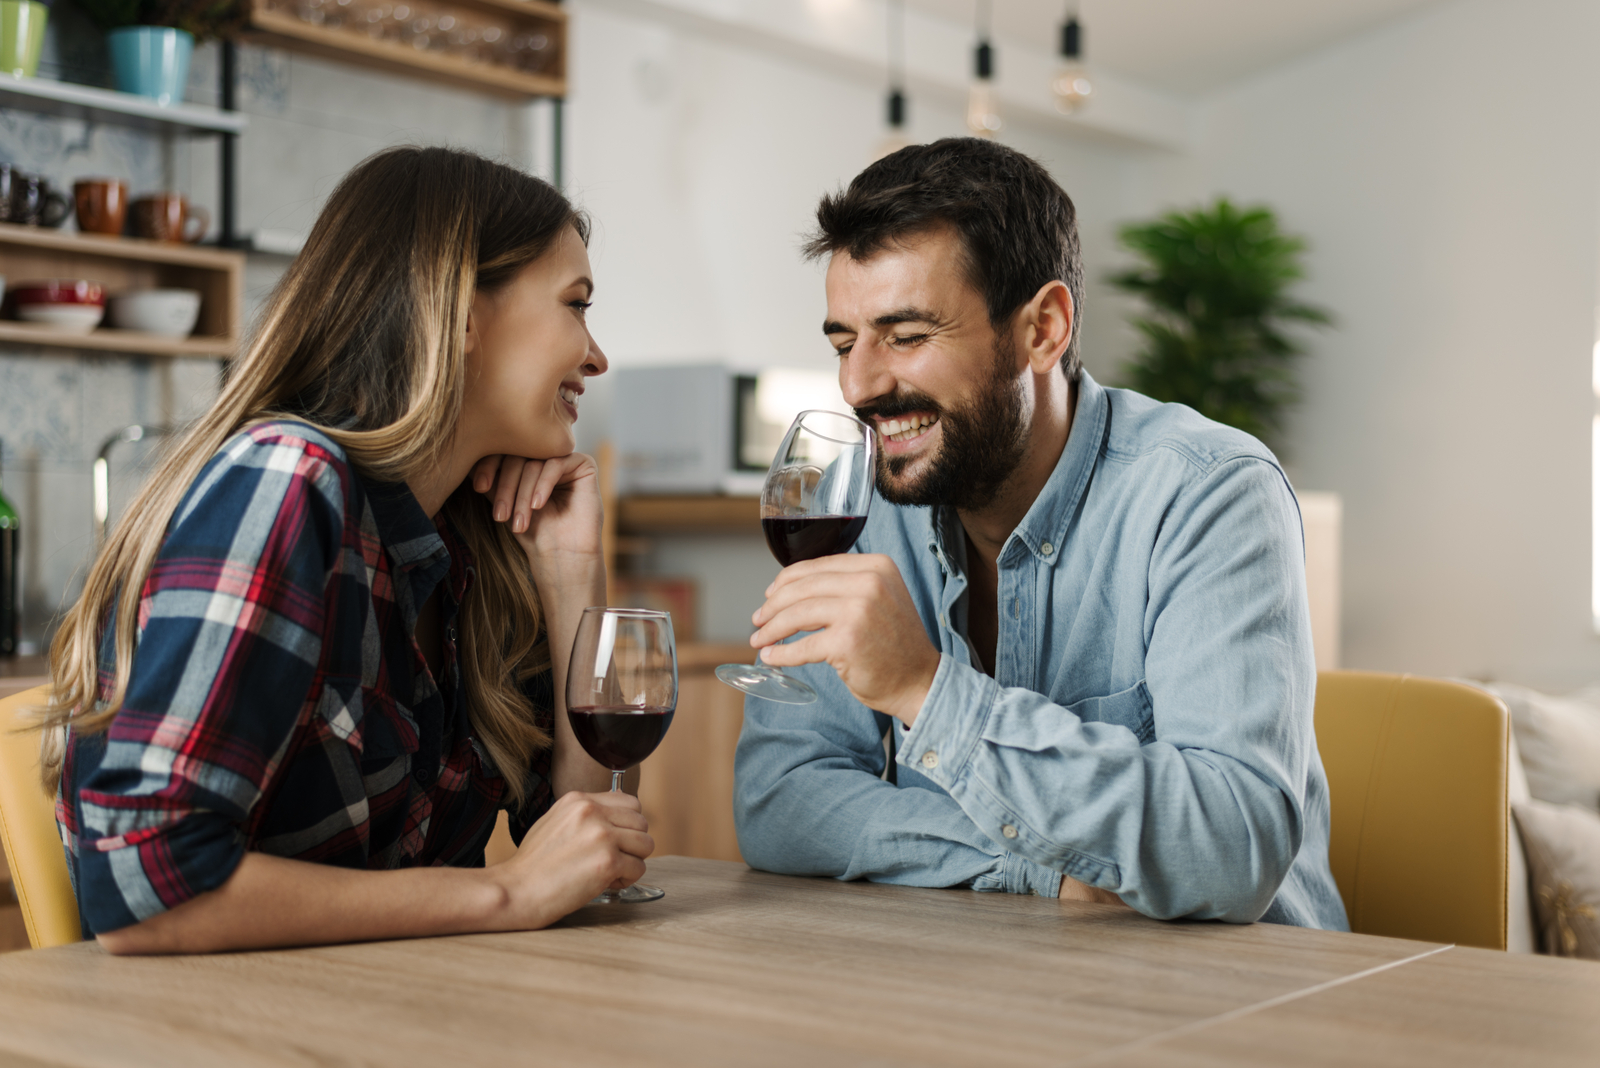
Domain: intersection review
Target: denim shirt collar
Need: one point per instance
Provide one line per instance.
(1043, 529)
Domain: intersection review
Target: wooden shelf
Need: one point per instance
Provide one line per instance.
(71, 101)
(282, 29)
(689, 515)
(123, 264)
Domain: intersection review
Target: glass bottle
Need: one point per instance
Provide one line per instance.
(10, 531)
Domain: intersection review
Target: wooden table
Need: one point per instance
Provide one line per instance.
(736, 967)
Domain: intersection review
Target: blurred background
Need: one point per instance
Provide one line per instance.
(1438, 159)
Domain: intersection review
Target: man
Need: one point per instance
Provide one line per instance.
(1078, 615)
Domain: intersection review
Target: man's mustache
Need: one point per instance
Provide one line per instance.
(898, 404)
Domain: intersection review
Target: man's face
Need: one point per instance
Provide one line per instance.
(921, 363)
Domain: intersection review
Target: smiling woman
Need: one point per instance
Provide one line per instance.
(330, 635)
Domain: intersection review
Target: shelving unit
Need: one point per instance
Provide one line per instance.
(71, 101)
(122, 264)
(689, 515)
(272, 24)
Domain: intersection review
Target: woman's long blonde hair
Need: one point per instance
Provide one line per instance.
(364, 338)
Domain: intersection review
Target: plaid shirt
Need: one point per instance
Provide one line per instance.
(278, 702)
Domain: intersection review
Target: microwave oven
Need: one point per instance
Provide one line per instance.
(705, 428)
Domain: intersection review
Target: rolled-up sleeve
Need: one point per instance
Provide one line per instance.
(231, 628)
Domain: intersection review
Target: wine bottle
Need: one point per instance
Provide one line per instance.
(9, 533)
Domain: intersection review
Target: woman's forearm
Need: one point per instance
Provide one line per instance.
(270, 901)
(585, 843)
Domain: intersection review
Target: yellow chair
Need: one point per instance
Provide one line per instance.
(28, 831)
(1417, 774)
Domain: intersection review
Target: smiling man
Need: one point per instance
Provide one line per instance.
(1071, 653)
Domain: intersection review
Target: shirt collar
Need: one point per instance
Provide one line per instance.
(1043, 529)
(404, 528)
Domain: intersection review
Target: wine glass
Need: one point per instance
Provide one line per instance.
(814, 503)
(622, 689)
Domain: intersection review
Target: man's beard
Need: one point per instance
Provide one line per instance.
(981, 443)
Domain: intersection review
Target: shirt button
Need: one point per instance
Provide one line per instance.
(930, 759)
(1047, 548)
(423, 776)
(942, 623)
(1009, 831)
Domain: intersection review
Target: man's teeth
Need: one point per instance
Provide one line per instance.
(907, 428)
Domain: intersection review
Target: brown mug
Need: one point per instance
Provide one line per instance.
(169, 217)
(102, 205)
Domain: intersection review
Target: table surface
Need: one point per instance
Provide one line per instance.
(736, 967)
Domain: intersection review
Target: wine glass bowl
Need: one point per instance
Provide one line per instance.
(622, 691)
(814, 503)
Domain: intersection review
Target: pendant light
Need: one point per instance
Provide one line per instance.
(1072, 86)
(983, 109)
(895, 138)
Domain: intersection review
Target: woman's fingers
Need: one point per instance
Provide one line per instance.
(483, 473)
(522, 517)
(505, 486)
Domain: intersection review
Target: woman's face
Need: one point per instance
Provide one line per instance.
(528, 352)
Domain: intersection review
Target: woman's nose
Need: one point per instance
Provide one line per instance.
(596, 362)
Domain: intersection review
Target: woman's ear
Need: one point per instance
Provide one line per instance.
(471, 346)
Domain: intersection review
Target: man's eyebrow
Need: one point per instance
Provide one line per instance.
(901, 315)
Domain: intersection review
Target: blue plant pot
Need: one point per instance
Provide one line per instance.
(151, 61)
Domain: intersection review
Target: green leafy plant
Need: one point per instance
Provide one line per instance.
(205, 19)
(1215, 280)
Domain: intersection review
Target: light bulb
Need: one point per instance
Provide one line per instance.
(983, 107)
(1072, 88)
(983, 110)
(894, 139)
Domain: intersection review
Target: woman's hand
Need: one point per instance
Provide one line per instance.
(586, 843)
(553, 506)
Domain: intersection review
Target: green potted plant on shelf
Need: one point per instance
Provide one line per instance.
(22, 25)
(151, 41)
(1216, 282)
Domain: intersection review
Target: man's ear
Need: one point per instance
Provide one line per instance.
(1047, 326)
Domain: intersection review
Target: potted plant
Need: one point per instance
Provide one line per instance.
(151, 40)
(1216, 281)
(22, 25)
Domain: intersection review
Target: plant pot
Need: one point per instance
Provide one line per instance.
(21, 36)
(151, 61)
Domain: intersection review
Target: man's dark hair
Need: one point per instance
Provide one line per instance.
(1018, 227)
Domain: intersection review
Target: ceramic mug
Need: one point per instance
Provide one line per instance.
(169, 217)
(27, 199)
(102, 205)
(21, 36)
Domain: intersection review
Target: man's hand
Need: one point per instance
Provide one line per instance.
(867, 629)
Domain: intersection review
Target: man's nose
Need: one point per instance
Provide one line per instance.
(865, 373)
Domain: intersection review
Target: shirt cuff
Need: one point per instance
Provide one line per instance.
(949, 726)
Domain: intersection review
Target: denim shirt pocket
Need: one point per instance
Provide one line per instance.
(1130, 708)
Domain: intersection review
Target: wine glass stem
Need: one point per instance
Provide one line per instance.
(616, 782)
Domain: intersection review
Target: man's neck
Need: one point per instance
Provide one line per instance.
(988, 527)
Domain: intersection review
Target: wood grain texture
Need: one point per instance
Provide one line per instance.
(1464, 1007)
(733, 967)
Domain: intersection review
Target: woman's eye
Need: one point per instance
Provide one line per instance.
(582, 305)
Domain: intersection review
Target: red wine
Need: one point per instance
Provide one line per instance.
(620, 736)
(795, 538)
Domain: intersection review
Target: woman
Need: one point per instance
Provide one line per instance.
(328, 640)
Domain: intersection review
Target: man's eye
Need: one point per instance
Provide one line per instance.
(904, 340)
(843, 350)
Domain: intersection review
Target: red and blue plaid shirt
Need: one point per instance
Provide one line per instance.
(278, 702)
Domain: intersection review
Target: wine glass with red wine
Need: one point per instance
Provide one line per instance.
(622, 689)
(814, 503)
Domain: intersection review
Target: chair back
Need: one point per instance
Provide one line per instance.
(28, 831)
(1420, 823)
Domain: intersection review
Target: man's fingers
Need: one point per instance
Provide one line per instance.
(808, 650)
(827, 584)
(813, 614)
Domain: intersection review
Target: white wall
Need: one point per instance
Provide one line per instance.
(1446, 171)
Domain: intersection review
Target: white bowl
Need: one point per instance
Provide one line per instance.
(67, 318)
(168, 312)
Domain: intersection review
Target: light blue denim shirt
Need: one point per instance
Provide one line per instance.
(1148, 728)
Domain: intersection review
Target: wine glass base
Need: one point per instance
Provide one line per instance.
(767, 683)
(630, 895)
